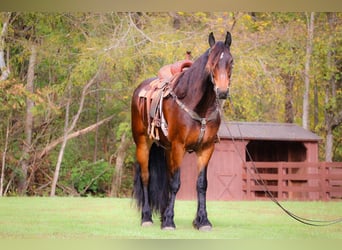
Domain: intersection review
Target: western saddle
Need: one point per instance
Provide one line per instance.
(158, 89)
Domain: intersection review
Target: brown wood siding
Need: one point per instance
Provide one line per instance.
(324, 183)
(299, 177)
(224, 173)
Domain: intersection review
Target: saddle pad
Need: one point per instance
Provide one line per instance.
(149, 89)
(152, 90)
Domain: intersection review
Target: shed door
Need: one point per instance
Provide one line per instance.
(224, 174)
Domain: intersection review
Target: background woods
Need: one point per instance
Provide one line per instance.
(66, 81)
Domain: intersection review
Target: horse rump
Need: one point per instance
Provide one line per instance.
(158, 186)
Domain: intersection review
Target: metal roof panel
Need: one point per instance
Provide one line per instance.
(265, 131)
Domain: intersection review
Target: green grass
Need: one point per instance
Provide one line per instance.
(108, 218)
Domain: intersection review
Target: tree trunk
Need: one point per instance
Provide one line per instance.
(329, 141)
(3, 163)
(289, 83)
(316, 106)
(4, 69)
(62, 149)
(333, 113)
(22, 184)
(119, 162)
(309, 45)
(176, 20)
(97, 120)
(68, 130)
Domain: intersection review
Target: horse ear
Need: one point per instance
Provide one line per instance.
(228, 40)
(211, 39)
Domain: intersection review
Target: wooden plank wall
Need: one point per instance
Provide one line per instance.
(293, 180)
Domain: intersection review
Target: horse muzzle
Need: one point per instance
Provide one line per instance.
(222, 94)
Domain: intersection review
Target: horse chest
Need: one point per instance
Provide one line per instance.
(201, 136)
(191, 133)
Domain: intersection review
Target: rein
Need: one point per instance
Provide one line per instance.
(196, 117)
(269, 194)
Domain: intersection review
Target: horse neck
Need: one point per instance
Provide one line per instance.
(198, 92)
(207, 100)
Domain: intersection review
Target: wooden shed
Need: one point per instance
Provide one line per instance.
(283, 156)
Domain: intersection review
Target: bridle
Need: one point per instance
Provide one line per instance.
(212, 78)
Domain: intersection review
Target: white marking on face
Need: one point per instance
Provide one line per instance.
(221, 56)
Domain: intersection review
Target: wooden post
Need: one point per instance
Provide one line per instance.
(322, 169)
(248, 181)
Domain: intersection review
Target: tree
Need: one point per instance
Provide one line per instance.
(119, 163)
(333, 96)
(289, 81)
(68, 129)
(4, 69)
(309, 45)
(27, 145)
(4, 152)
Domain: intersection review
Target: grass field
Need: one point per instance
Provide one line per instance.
(109, 218)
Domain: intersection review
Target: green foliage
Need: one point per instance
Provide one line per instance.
(91, 177)
(84, 176)
(123, 127)
(337, 151)
(12, 96)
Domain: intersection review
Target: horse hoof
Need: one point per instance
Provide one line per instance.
(168, 228)
(147, 224)
(206, 228)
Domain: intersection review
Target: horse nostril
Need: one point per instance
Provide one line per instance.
(223, 94)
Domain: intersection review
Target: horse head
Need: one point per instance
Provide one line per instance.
(220, 64)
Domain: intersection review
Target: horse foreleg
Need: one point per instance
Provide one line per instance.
(201, 222)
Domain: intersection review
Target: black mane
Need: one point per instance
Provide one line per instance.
(196, 73)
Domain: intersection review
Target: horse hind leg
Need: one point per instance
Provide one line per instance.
(140, 193)
(168, 214)
(141, 180)
(151, 182)
(174, 159)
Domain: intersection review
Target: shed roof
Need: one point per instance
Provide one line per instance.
(265, 131)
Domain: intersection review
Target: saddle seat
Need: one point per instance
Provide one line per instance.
(168, 71)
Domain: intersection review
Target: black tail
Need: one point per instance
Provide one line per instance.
(158, 187)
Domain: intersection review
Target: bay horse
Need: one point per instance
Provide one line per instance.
(190, 110)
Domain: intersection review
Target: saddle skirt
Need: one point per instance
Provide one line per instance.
(156, 91)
